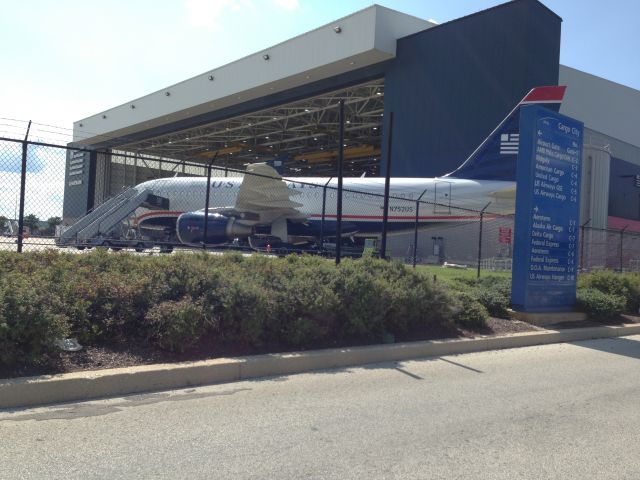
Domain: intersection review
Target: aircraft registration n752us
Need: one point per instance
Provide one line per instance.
(291, 209)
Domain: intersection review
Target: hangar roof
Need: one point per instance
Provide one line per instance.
(359, 40)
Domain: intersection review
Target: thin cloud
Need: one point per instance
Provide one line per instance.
(287, 4)
(206, 13)
(212, 14)
(44, 180)
(11, 158)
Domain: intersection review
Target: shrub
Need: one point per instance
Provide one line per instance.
(171, 301)
(501, 285)
(380, 297)
(31, 318)
(364, 300)
(468, 312)
(244, 308)
(177, 325)
(599, 305)
(306, 305)
(493, 292)
(625, 285)
(494, 301)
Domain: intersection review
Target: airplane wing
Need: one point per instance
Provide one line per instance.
(264, 198)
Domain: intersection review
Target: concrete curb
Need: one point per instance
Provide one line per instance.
(46, 389)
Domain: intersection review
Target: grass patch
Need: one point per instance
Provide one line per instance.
(456, 273)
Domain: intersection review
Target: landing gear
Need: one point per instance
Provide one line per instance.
(107, 244)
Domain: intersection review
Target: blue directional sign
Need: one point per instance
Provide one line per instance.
(547, 211)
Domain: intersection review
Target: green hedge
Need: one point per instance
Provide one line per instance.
(173, 301)
(624, 285)
(491, 291)
(469, 312)
(599, 305)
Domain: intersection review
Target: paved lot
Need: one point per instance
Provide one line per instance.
(31, 243)
(568, 411)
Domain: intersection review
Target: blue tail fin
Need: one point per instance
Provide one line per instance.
(496, 157)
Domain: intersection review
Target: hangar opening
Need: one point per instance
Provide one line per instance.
(298, 138)
(280, 105)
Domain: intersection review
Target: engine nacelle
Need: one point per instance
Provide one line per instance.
(220, 229)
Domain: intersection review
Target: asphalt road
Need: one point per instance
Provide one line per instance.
(568, 411)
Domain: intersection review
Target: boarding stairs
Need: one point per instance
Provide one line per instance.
(101, 222)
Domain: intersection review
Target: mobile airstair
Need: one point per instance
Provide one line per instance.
(103, 221)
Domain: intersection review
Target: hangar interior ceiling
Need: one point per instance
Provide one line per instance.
(303, 135)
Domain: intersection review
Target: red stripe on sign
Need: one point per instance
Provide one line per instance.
(545, 94)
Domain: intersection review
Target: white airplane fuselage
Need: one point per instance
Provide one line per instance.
(442, 199)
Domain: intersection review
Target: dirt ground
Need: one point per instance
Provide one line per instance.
(126, 354)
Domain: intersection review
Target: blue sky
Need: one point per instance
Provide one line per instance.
(66, 59)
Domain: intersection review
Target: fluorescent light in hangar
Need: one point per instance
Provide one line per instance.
(300, 136)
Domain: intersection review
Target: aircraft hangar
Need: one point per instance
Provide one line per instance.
(448, 85)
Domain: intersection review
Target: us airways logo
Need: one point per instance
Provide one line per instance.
(509, 143)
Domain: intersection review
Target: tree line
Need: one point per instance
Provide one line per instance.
(34, 224)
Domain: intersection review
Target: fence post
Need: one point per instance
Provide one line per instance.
(23, 181)
(582, 242)
(206, 206)
(415, 232)
(324, 210)
(621, 241)
(480, 237)
(339, 199)
(387, 184)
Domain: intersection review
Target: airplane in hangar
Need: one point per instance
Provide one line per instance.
(262, 202)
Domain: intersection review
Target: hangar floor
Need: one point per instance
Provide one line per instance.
(302, 136)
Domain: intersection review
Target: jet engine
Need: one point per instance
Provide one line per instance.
(190, 227)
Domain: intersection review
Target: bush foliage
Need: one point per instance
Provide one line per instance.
(626, 286)
(469, 312)
(172, 301)
(294, 302)
(492, 292)
(599, 305)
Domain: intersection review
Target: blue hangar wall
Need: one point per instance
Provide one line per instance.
(449, 86)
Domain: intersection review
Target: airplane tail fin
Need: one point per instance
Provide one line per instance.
(496, 157)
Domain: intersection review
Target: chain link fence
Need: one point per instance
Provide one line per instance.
(117, 207)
